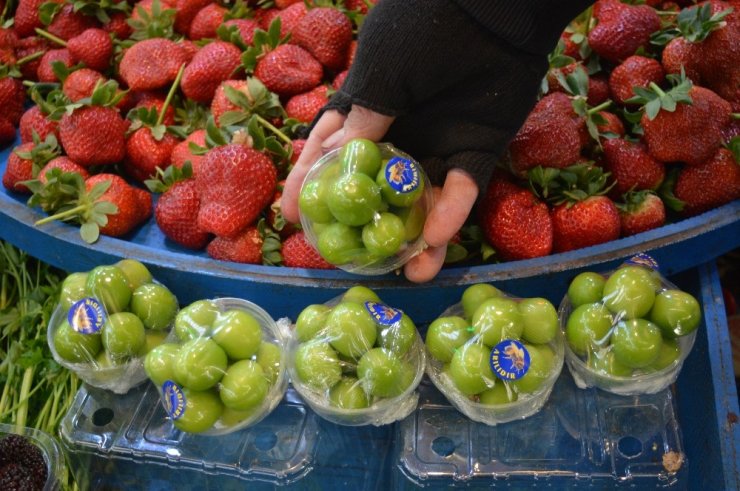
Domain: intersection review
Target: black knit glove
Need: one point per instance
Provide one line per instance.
(460, 76)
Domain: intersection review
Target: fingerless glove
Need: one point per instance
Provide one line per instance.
(460, 76)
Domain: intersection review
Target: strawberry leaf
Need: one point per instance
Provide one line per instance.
(734, 146)
(665, 191)
(49, 10)
(90, 232)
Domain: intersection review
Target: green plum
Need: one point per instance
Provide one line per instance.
(586, 288)
(312, 201)
(317, 365)
(588, 326)
(230, 417)
(360, 155)
(380, 372)
(159, 363)
(348, 394)
(200, 364)
(153, 339)
(238, 333)
(351, 329)
(474, 295)
(109, 285)
(104, 362)
(497, 395)
(354, 199)
(541, 360)
(269, 358)
(311, 321)
(202, 410)
(496, 319)
(636, 342)
(76, 347)
(413, 218)
(123, 335)
(677, 313)
(470, 369)
(445, 335)
(74, 288)
(384, 235)
(360, 294)
(669, 353)
(136, 273)
(605, 363)
(244, 385)
(340, 244)
(195, 320)
(155, 305)
(540, 320)
(400, 182)
(629, 292)
(398, 337)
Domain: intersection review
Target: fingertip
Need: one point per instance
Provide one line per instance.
(425, 266)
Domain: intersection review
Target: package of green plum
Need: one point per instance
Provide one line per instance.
(363, 207)
(627, 331)
(493, 356)
(224, 369)
(355, 360)
(107, 320)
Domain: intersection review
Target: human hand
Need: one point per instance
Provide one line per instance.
(452, 203)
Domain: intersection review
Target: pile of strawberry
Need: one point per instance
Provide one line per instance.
(198, 100)
(205, 103)
(638, 121)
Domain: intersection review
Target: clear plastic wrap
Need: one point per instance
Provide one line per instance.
(45, 474)
(225, 369)
(355, 360)
(495, 357)
(107, 320)
(627, 331)
(363, 207)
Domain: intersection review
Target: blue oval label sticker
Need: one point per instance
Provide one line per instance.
(383, 315)
(86, 316)
(402, 174)
(643, 259)
(174, 399)
(509, 360)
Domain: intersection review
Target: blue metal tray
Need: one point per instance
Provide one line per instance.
(285, 291)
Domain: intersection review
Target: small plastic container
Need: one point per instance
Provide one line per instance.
(226, 369)
(505, 371)
(50, 449)
(107, 320)
(356, 361)
(626, 324)
(363, 207)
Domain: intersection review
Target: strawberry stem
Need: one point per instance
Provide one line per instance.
(28, 83)
(600, 107)
(735, 115)
(61, 215)
(272, 128)
(28, 58)
(170, 95)
(657, 89)
(666, 12)
(51, 37)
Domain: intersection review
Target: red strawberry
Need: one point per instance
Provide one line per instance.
(45, 72)
(621, 29)
(8, 38)
(642, 211)
(550, 136)
(146, 6)
(81, 83)
(635, 71)
(246, 28)
(284, 4)
(339, 79)
(359, 5)
(710, 184)
(592, 221)
(12, 96)
(174, 213)
(93, 47)
(235, 183)
(326, 33)
(351, 54)
(288, 70)
(719, 56)
(144, 153)
(289, 18)
(206, 21)
(246, 247)
(297, 252)
(67, 23)
(121, 194)
(35, 120)
(598, 90)
(499, 186)
(692, 133)
(7, 132)
(182, 153)
(680, 53)
(186, 12)
(221, 104)
(65, 164)
(297, 150)
(118, 26)
(613, 124)
(18, 169)
(152, 64)
(213, 64)
(731, 131)
(26, 17)
(144, 200)
(518, 226)
(28, 46)
(569, 47)
(631, 166)
(151, 101)
(305, 107)
(190, 48)
(7, 56)
(93, 135)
